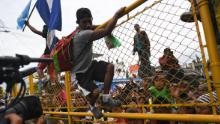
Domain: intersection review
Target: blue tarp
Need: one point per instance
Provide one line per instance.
(117, 81)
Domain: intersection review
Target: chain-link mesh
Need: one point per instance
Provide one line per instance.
(161, 64)
(53, 96)
(174, 49)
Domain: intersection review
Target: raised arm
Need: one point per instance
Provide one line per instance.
(100, 33)
(34, 29)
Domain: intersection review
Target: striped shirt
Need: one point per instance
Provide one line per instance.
(206, 99)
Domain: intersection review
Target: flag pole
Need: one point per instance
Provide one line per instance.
(29, 16)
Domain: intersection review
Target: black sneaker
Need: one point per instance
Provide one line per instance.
(97, 114)
(112, 103)
(188, 16)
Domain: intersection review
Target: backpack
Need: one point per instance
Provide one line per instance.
(62, 53)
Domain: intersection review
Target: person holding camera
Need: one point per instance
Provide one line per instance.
(170, 65)
(168, 61)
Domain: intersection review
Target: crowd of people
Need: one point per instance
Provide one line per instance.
(169, 85)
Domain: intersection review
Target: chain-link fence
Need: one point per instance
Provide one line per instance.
(158, 61)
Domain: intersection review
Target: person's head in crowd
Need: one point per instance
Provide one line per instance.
(134, 121)
(81, 102)
(184, 86)
(137, 27)
(134, 99)
(145, 83)
(203, 88)
(186, 109)
(74, 86)
(132, 103)
(167, 51)
(205, 98)
(45, 30)
(203, 109)
(174, 90)
(161, 100)
(134, 95)
(143, 92)
(141, 100)
(179, 90)
(159, 81)
(84, 18)
(117, 109)
(119, 87)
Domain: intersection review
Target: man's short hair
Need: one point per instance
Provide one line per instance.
(82, 13)
(136, 25)
(45, 28)
(167, 49)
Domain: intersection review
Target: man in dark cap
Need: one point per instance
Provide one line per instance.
(87, 70)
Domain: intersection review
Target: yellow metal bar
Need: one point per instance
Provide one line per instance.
(154, 105)
(170, 105)
(172, 117)
(14, 90)
(138, 13)
(150, 105)
(31, 85)
(211, 44)
(142, 107)
(57, 118)
(203, 57)
(67, 83)
(127, 10)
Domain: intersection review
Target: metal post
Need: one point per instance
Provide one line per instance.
(211, 44)
(67, 83)
(31, 84)
(203, 58)
(15, 90)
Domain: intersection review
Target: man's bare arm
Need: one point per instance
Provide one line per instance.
(34, 29)
(100, 33)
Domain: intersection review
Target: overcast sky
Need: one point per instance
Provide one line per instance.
(162, 24)
(33, 45)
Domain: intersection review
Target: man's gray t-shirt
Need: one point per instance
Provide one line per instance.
(82, 51)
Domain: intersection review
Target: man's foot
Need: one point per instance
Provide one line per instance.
(188, 16)
(97, 114)
(112, 103)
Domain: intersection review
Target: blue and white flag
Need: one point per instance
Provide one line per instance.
(51, 39)
(50, 12)
(24, 15)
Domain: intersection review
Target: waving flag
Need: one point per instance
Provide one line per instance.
(24, 15)
(50, 12)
